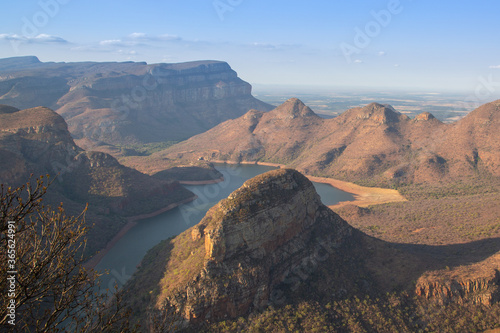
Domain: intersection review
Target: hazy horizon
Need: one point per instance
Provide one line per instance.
(394, 44)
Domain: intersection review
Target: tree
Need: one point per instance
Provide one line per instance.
(45, 286)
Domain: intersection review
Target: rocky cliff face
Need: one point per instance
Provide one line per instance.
(118, 103)
(241, 255)
(272, 243)
(37, 138)
(37, 141)
(270, 227)
(477, 283)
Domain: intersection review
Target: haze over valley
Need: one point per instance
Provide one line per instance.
(233, 166)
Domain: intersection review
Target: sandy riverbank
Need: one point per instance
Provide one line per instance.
(364, 196)
(276, 165)
(131, 222)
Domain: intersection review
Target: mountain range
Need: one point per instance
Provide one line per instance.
(374, 144)
(108, 104)
(271, 256)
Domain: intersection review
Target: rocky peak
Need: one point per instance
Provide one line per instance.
(251, 220)
(40, 123)
(294, 108)
(253, 114)
(378, 113)
(425, 116)
(240, 252)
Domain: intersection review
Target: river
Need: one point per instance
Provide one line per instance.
(121, 261)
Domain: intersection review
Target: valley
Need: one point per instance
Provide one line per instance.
(234, 166)
(413, 246)
(438, 247)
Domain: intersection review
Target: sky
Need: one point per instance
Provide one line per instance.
(398, 44)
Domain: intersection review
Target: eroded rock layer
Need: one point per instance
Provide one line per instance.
(248, 244)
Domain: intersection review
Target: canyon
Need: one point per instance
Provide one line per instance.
(117, 104)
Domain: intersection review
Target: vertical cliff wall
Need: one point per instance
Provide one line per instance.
(123, 103)
(247, 251)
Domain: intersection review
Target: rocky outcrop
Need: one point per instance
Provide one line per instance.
(377, 113)
(37, 141)
(245, 246)
(477, 283)
(294, 108)
(117, 103)
(39, 123)
(39, 137)
(478, 291)
(425, 116)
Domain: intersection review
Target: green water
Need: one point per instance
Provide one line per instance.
(122, 260)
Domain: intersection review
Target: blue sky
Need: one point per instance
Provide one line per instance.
(403, 44)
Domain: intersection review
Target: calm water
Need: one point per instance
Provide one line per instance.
(122, 260)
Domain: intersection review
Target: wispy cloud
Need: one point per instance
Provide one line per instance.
(381, 53)
(116, 43)
(128, 45)
(495, 67)
(39, 39)
(140, 36)
(358, 61)
(137, 39)
(265, 46)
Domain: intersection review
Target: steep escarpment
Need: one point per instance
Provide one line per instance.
(123, 103)
(477, 283)
(248, 251)
(38, 138)
(37, 141)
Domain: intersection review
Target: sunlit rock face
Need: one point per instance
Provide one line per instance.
(249, 241)
(116, 103)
